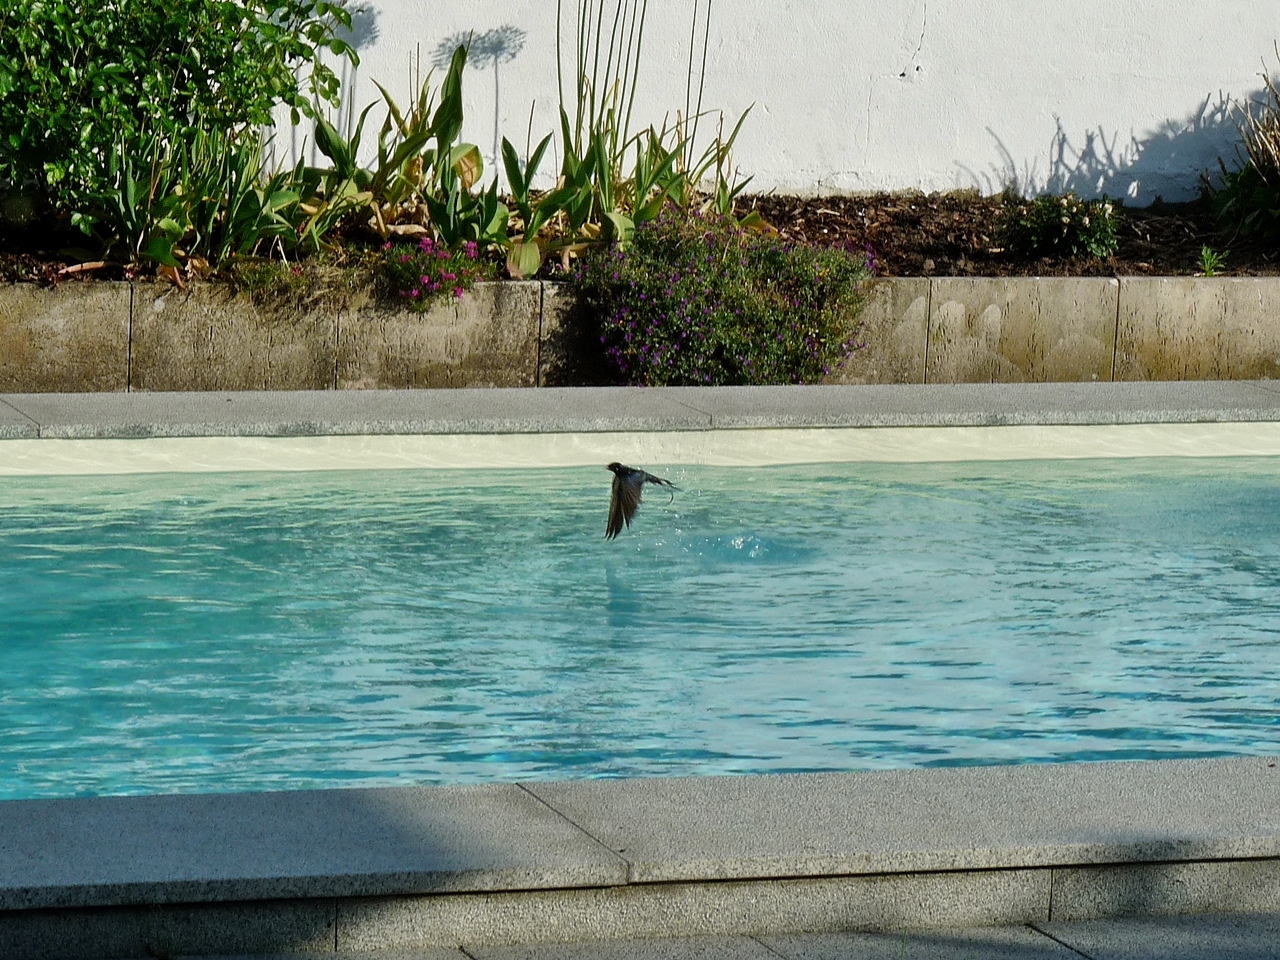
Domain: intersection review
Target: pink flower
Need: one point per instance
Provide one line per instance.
(413, 292)
(457, 292)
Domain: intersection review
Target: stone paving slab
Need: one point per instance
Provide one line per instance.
(1238, 937)
(423, 953)
(676, 948)
(974, 818)
(1205, 937)
(308, 843)
(600, 409)
(979, 943)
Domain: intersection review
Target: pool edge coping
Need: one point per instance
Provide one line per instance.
(1094, 839)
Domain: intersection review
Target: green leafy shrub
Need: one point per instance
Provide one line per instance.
(703, 300)
(1065, 226)
(78, 80)
(1248, 204)
(424, 274)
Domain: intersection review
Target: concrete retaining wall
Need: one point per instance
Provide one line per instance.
(112, 337)
(1068, 329)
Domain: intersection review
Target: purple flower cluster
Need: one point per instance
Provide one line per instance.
(698, 299)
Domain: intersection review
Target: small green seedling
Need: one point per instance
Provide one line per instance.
(1210, 262)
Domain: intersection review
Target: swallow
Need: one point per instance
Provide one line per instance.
(628, 482)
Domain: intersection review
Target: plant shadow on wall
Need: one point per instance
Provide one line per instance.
(1138, 171)
(489, 49)
(362, 32)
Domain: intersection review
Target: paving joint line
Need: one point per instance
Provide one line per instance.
(35, 423)
(586, 833)
(1060, 942)
(711, 419)
(781, 956)
(1264, 385)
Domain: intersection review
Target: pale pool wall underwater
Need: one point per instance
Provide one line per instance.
(343, 871)
(727, 448)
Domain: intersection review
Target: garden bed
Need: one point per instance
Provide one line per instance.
(910, 234)
(958, 234)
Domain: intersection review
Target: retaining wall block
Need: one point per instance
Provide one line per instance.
(645, 910)
(569, 346)
(277, 927)
(71, 338)
(1010, 330)
(489, 338)
(895, 327)
(1198, 328)
(1165, 889)
(208, 338)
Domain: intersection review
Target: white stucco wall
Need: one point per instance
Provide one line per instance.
(1127, 97)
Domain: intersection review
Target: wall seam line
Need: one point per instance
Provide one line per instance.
(1115, 336)
(928, 328)
(128, 354)
(537, 352)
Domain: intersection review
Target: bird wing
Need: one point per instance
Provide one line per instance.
(659, 481)
(623, 502)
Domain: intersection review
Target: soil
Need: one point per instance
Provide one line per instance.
(958, 234)
(953, 234)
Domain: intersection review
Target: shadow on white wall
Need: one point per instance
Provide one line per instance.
(488, 50)
(1140, 170)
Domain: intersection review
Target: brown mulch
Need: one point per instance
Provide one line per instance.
(958, 234)
(953, 234)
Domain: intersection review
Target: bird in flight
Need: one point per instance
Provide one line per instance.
(628, 482)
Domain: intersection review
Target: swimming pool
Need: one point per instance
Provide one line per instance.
(174, 633)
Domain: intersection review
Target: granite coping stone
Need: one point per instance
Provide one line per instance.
(378, 842)
(15, 425)
(326, 412)
(602, 409)
(114, 851)
(907, 821)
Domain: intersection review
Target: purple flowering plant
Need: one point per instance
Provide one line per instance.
(700, 300)
(429, 271)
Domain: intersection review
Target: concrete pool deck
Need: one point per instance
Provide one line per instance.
(1176, 858)
(326, 430)
(614, 860)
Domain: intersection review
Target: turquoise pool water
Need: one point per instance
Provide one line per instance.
(173, 633)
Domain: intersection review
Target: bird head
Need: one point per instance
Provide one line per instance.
(615, 466)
